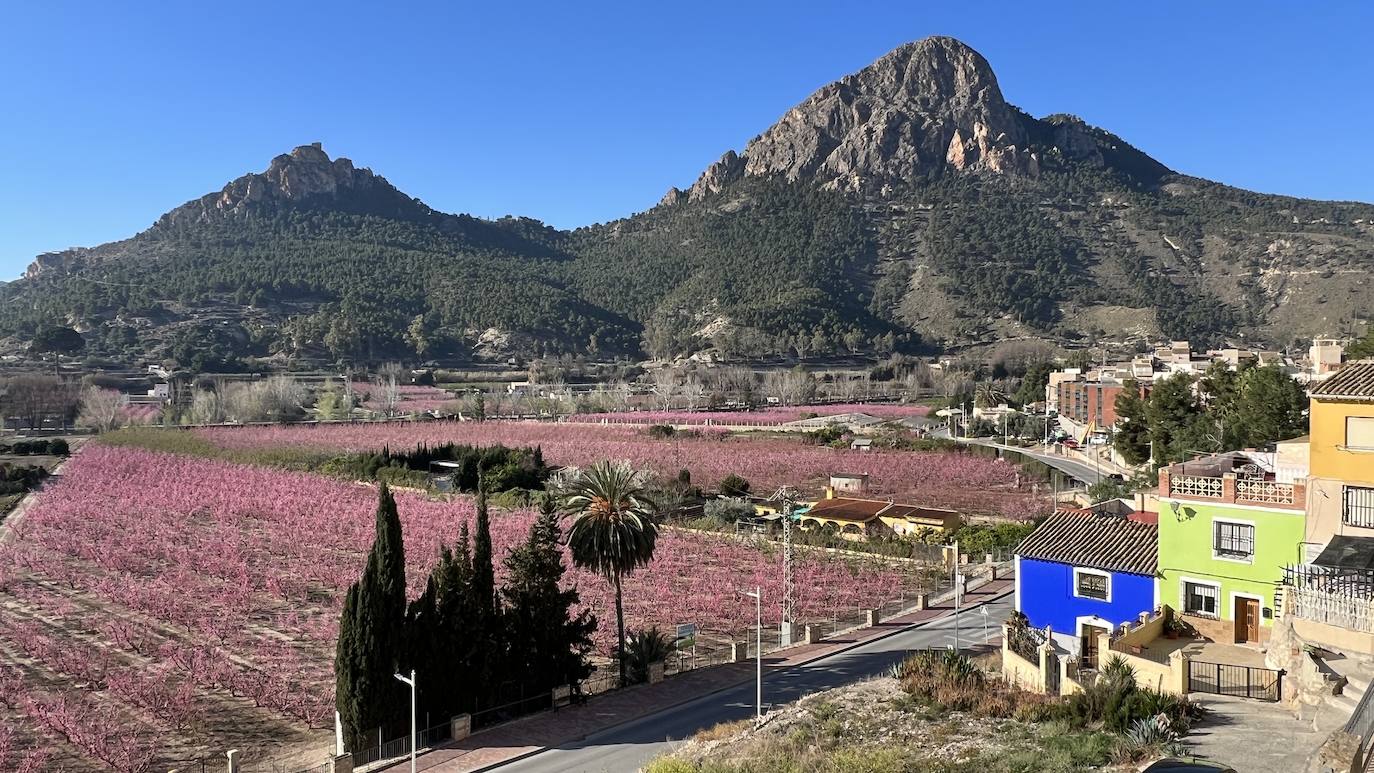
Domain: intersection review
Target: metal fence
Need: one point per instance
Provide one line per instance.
(1026, 642)
(1263, 684)
(1339, 597)
(1361, 726)
(400, 747)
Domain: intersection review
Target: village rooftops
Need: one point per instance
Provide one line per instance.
(1105, 542)
(1355, 381)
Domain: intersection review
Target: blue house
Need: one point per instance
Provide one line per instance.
(1083, 574)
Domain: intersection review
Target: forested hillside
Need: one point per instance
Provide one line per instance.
(906, 207)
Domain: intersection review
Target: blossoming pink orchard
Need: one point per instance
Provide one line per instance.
(153, 583)
(972, 483)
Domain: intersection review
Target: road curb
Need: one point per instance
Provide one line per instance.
(733, 685)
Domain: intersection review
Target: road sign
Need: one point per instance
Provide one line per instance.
(686, 630)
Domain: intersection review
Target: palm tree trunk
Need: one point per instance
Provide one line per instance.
(620, 629)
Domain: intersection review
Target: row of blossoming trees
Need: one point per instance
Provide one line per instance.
(466, 637)
(959, 480)
(155, 606)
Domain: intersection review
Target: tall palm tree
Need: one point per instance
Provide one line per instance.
(613, 531)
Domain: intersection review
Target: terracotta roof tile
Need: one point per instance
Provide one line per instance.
(1354, 381)
(1099, 542)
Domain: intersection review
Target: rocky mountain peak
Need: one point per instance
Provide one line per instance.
(927, 108)
(306, 176)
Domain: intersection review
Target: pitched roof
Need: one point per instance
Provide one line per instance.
(1355, 381)
(1096, 541)
(865, 510)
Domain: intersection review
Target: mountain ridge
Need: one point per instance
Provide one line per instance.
(904, 207)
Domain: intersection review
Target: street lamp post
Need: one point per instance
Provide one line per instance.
(958, 583)
(757, 596)
(411, 682)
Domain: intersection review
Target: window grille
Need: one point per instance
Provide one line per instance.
(1358, 507)
(1093, 586)
(1233, 540)
(1200, 599)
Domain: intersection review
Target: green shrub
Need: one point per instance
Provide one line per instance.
(662, 431)
(59, 447)
(733, 485)
(1117, 703)
(643, 648)
(723, 512)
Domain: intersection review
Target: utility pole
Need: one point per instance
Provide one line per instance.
(787, 498)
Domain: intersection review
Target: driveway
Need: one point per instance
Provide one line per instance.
(1252, 736)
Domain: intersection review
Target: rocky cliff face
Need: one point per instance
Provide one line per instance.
(928, 108)
(307, 177)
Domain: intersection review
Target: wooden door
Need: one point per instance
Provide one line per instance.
(1247, 620)
(1088, 647)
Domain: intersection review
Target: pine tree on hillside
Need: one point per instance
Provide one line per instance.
(371, 637)
(1132, 439)
(550, 643)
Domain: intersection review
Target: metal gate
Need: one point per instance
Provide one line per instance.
(1263, 684)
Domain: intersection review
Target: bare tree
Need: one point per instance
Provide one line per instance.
(275, 399)
(33, 399)
(207, 407)
(389, 382)
(665, 387)
(102, 410)
(693, 390)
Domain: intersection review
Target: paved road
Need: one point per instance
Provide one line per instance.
(1074, 468)
(627, 747)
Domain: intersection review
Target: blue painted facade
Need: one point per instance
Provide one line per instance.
(1045, 595)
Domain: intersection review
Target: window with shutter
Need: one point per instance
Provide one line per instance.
(1359, 433)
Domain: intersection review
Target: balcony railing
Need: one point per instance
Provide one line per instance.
(1233, 487)
(1340, 597)
(1348, 612)
(1195, 486)
(1266, 491)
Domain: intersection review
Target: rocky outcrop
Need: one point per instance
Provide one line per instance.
(928, 108)
(728, 169)
(305, 176)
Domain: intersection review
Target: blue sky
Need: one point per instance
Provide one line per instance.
(578, 113)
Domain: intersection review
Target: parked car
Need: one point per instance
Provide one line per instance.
(1194, 765)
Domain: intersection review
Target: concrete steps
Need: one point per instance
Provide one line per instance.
(1355, 677)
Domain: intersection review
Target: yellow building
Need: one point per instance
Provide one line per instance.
(1340, 499)
(855, 518)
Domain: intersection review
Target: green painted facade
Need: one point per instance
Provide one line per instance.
(1186, 551)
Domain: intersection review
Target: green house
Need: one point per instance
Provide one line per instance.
(1228, 525)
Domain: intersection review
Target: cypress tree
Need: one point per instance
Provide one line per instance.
(483, 572)
(455, 675)
(483, 625)
(371, 638)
